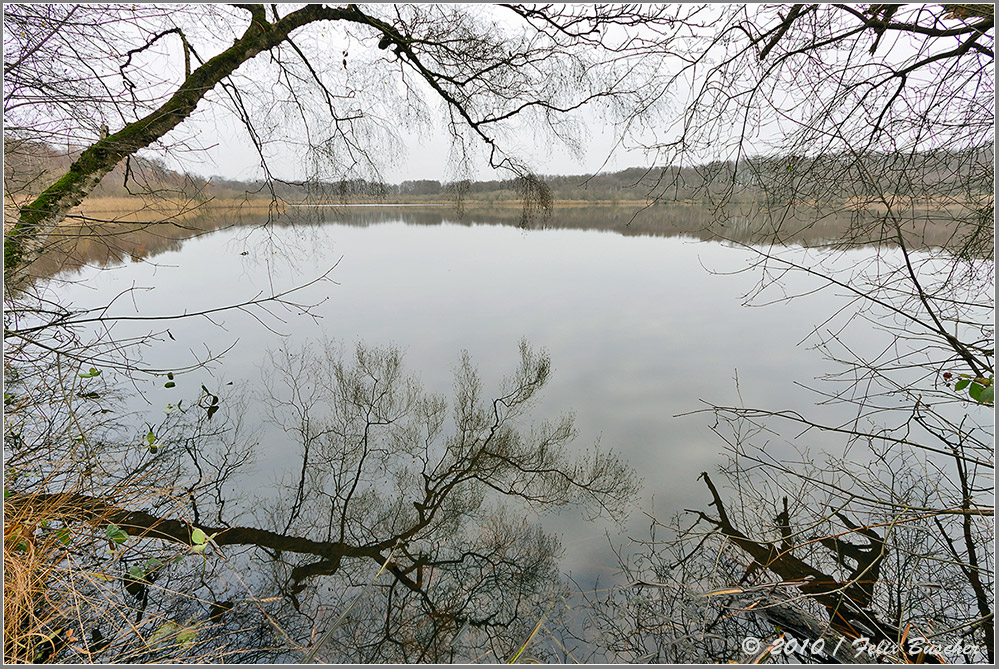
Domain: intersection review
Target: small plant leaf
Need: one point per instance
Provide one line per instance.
(200, 540)
(116, 534)
(962, 384)
(988, 395)
(163, 633)
(198, 536)
(169, 384)
(213, 404)
(186, 636)
(975, 392)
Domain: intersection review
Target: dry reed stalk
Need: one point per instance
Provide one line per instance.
(27, 572)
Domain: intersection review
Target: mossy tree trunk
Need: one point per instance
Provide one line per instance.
(26, 239)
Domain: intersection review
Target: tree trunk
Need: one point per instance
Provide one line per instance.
(26, 239)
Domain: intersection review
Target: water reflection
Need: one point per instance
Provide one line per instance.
(811, 573)
(639, 334)
(74, 247)
(639, 330)
(404, 537)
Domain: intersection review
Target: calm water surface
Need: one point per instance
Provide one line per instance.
(640, 329)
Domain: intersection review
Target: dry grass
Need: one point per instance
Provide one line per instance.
(139, 210)
(67, 598)
(28, 610)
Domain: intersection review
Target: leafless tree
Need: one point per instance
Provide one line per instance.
(788, 115)
(791, 115)
(332, 86)
(335, 80)
(384, 486)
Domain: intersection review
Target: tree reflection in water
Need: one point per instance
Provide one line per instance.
(391, 481)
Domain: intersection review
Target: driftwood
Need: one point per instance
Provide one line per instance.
(847, 602)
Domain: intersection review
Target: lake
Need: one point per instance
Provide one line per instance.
(644, 325)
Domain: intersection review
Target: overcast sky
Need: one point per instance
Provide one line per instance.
(230, 154)
(226, 149)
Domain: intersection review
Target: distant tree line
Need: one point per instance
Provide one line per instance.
(789, 179)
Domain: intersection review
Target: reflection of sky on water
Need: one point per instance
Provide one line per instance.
(639, 329)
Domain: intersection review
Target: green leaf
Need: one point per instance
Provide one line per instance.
(116, 534)
(186, 636)
(975, 391)
(962, 384)
(200, 540)
(198, 536)
(213, 405)
(163, 633)
(63, 536)
(169, 384)
(150, 438)
(988, 395)
(136, 572)
(170, 375)
(151, 565)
